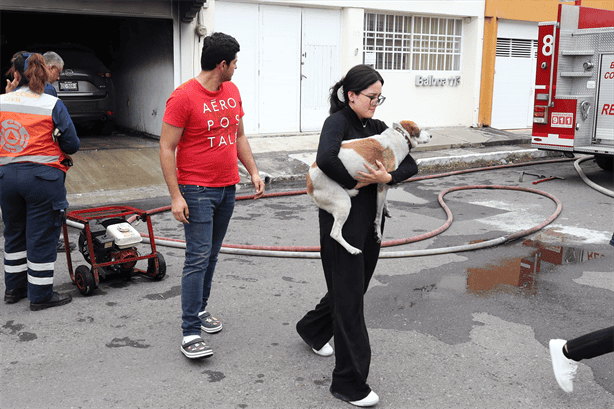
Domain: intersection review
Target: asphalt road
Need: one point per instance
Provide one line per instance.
(458, 330)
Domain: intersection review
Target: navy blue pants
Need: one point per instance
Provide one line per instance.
(33, 202)
(341, 310)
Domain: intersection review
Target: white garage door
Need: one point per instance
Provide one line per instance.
(288, 60)
(280, 70)
(514, 82)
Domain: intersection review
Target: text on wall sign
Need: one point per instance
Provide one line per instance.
(431, 81)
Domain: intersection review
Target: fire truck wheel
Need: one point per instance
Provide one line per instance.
(151, 268)
(84, 278)
(605, 162)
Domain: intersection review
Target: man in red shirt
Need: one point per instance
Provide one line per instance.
(203, 123)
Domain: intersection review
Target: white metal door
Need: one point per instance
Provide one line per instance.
(514, 84)
(280, 56)
(240, 20)
(319, 63)
(280, 46)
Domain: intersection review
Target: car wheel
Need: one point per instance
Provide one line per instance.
(106, 127)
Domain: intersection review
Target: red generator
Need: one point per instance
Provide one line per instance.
(574, 85)
(108, 243)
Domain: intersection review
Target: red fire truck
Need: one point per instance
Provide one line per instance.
(574, 85)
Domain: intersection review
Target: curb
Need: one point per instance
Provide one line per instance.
(456, 161)
(468, 145)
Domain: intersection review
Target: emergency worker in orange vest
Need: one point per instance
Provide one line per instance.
(36, 134)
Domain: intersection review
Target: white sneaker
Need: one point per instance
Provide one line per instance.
(371, 400)
(326, 350)
(564, 368)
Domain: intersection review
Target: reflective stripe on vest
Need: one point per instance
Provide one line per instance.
(5, 160)
(26, 125)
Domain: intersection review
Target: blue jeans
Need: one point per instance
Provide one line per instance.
(210, 210)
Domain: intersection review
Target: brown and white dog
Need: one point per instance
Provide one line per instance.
(390, 148)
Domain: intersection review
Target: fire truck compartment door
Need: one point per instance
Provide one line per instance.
(604, 127)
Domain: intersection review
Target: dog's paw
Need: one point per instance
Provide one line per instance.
(385, 211)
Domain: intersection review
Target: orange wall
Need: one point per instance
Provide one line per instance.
(523, 10)
(488, 70)
(535, 10)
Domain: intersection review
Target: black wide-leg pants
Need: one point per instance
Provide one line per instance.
(341, 310)
(591, 345)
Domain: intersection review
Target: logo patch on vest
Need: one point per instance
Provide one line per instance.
(13, 136)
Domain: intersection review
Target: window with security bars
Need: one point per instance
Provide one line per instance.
(515, 47)
(397, 42)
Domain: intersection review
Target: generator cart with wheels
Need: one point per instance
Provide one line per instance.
(108, 243)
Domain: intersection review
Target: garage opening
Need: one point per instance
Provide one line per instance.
(137, 51)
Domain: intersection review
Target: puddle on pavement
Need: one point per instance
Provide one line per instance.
(520, 273)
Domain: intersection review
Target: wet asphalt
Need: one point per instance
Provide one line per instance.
(454, 330)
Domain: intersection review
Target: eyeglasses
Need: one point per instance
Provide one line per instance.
(375, 101)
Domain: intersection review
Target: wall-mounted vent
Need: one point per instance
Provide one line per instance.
(517, 48)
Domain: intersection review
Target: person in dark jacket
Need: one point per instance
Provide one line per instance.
(340, 313)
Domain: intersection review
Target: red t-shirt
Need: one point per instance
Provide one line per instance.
(207, 150)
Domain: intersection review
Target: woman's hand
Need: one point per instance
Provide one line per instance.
(379, 175)
(11, 85)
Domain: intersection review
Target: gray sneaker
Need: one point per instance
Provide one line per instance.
(210, 324)
(196, 349)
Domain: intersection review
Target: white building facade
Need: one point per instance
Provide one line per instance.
(428, 52)
(292, 52)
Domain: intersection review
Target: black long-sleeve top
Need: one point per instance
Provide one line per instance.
(345, 125)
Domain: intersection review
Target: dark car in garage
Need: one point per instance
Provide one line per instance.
(86, 88)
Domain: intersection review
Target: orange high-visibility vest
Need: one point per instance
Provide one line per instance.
(26, 128)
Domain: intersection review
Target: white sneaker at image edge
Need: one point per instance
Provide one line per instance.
(564, 368)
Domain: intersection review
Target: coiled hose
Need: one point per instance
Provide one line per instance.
(313, 251)
(586, 180)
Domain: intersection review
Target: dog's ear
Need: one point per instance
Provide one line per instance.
(411, 128)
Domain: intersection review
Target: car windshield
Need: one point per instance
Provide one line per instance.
(81, 60)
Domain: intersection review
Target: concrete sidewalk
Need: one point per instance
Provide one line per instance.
(124, 167)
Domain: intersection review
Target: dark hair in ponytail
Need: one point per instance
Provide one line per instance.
(356, 80)
(33, 71)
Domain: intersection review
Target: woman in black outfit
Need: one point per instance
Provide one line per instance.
(340, 313)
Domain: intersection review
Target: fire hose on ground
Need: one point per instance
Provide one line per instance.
(586, 180)
(313, 251)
